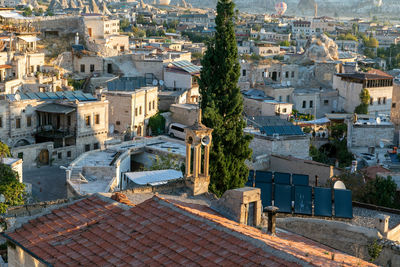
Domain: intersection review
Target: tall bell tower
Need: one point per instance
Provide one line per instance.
(198, 142)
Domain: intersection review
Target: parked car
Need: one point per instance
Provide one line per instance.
(177, 130)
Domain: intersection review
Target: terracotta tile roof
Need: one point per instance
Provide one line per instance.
(95, 232)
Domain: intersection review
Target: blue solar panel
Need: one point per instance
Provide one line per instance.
(343, 203)
(60, 95)
(303, 200)
(299, 179)
(32, 95)
(264, 177)
(23, 96)
(283, 198)
(42, 95)
(89, 96)
(266, 193)
(322, 201)
(282, 178)
(51, 95)
(250, 179)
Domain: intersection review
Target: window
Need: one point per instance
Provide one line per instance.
(29, 121)
(393, 106)
(18, 123)
(304, 104)
(21, 155)
(91, 67)
(59, 155)
(284, 110)
(118, 123)
(68, 154)
(97, 119)
(96, 146)
(1, 121)
(326, 102)
(280, 98)
(292, 74)
(243, 72)
(135, 111)
(384, 100)
(311, 103)
(140, 110)
(122, 48)
(287, 74)
(176, 128)
(87, 148)
(69, 120)
(149, 105)
(379, 100)
(82, 67)
(87, 120)
(371, 101)
(154, 104)
(288, 98)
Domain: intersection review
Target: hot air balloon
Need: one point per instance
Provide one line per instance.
(280, 8)
(378, 3)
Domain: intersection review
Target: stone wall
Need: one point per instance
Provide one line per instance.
(100, 172)
(296, 146)
(370, 135)
(185, 114)
(307, 167)
(62, 24)
(342, 236)
(18, 257)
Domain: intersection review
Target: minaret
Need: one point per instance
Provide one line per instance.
(315, 10)
(198, 140)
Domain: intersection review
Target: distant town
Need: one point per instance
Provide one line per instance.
(204, 133)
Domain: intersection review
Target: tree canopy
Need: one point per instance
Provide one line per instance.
(222, 105)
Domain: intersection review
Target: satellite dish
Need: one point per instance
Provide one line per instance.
(155, 82)
(2, 198)
(205, 140)
(111, 128)
(381, 144)
(161, 82)
(339, 185)
(378, 120)
(288, 83)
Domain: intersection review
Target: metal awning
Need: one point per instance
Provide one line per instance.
(29, 38)
(55, 108)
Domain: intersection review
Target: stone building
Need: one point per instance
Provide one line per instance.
(103, 35)
(316, 102)
(46, 130)
(130, 108)
(379, 86)
(180, 75)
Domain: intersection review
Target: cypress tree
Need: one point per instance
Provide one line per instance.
(222, 105)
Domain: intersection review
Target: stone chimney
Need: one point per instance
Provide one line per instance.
(242, 205)
(382, 223)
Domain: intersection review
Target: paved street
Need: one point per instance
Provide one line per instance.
(48, 183)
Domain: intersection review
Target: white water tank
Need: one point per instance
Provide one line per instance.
(164, 2)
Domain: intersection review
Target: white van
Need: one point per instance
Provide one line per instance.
(177, 130)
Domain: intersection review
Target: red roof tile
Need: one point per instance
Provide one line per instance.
(159, 231)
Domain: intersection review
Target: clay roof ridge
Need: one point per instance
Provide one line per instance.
(219, 226)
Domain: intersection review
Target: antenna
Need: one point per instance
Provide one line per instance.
(155, 82)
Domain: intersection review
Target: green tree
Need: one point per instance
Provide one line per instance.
(124, 24)
(382, 192)
(27, 12)
(138, 32)
(10, 187)
(284, 43)
(364, 98)
(4, 151)
(157, 124)
(222, 104)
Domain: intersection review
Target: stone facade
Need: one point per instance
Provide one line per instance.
(242, 205)
(130, 111)
(296, 146)
(290, 164)
(254, 107)
(369, 135)
(185, 114)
